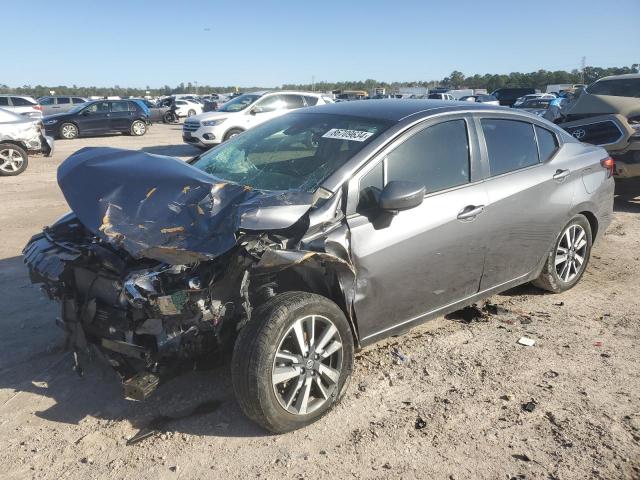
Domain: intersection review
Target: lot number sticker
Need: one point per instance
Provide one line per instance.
(342, 134)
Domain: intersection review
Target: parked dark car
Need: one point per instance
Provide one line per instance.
(99, 117)
(508, 96)
(157, 112)
(59, 103)
(537, 106)
(310, 236)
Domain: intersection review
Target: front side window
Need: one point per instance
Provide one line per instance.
(511, 145)
(621, 87)
(311, 101)
(296, 151)
(270, 104)
(98, 107)
(436, 157)
(46, 101)
(293, 101)
(239, 103)
(4, 101)
(370, 187)
(77, 100)
(547, 143)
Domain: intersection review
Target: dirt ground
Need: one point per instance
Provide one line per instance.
(444, 401)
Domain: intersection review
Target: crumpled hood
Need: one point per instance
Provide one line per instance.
(161, 208)
(589, 104)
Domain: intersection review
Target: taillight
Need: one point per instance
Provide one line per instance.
(37, 107)
(609, 164)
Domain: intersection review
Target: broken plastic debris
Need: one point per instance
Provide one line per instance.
(528, 342)
(420, 423)
(529, 406)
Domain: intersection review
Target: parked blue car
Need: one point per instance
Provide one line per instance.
(98, 118)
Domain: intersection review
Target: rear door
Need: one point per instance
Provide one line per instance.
(530, 190)
(121, 116)
(420, 260)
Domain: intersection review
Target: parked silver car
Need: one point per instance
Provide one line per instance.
(21, 105)
(19, 136)
(313, 235)
(59, 103)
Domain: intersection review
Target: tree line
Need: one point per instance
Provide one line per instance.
(539, 79)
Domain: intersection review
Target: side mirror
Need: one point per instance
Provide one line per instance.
(401, 195)
(255, 110)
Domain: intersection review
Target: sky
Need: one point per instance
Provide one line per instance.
(134, 43)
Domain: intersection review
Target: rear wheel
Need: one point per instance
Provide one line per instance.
(68, 131)
(13, 160)
(292, 361)
(138, 128)
(568, 259)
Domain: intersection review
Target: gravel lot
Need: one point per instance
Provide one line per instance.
(444, 401)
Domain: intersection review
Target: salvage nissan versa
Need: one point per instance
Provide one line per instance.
(313, 235)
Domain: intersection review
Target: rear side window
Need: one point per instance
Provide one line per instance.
(4, 101)
(119, 106)
(436, 157)
(78, 100)
(511, 145)
(621, 87)
(547, 143)
(311, 101)
(64, 100)
(21, 102)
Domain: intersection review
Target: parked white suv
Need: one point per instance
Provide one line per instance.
(242, 113)
(21, 104)
(187, 108)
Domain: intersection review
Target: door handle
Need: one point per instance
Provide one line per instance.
(470, 212)
(561, 174)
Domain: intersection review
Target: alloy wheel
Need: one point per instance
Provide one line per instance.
(139, 128)
(307, 365)
(69, 131)
(10, 160)
(571, 253)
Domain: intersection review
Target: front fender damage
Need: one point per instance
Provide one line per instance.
(160, 265)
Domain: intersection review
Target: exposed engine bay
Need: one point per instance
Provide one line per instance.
(150, 275)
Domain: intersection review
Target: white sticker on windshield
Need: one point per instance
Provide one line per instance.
(342, 134)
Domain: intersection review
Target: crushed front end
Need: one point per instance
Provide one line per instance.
(146, 317)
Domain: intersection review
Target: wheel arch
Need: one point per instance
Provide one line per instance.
(593, 222)
(16, 143)
(326, 278)
(224, 136)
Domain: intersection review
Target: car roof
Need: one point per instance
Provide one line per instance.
(620, 77)
(398, 109)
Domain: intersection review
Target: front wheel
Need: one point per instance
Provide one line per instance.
(568, 259)
(13, 159)
(292, 361)
(138, 128)
(232, 133)
(68, 131)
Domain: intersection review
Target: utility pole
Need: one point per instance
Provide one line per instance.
(584, 64)
(313, 83)
(196, 83)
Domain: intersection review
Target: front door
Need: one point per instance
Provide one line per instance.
(265, 109)
(94, 118)
(420, 260)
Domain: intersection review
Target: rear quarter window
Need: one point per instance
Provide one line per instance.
(511, 145)
(547, 143)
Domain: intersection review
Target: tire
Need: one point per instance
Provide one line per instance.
(168, 118)
(68, 131)
(312, 390)
(191, 113)
(232, 133)
(575, 239)
(138, 128)
(13, 160)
